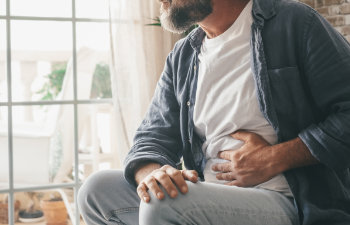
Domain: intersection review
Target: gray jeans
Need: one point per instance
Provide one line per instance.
(106, 198)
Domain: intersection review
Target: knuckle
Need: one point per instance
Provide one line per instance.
(235, 157)
(250, 136)
(235, 167)
(139, 188)
(150, 182)
(162, 176)
(194, 172)
(174, 172)
(165, 167)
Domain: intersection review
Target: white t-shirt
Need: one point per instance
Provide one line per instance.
(226, 98)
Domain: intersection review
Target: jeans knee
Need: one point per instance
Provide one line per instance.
(158, 212)
(88, 191)
(94, 189)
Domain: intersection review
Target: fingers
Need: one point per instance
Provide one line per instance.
(241, 135)
(153, 186)
(190, 175)
(222, 167)
(235, 183)
(226, 176)
(167, 177)
(149, 184)
(226, 154)
(142, 192)
(163, 178)
(177, 178)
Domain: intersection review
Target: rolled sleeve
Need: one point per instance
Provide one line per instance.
(327, 70)
(158, 138)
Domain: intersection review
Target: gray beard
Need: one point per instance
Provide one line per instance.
(180, 19)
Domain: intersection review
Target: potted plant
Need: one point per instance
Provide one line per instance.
(101, 84)
(31, 213)
(54, 209)
(4, 210)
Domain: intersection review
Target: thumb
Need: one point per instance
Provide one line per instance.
(190, 175)
(241, 135)
(235, 183)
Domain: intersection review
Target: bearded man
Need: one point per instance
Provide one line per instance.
(256, 101)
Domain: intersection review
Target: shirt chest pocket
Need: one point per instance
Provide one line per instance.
(290, 100)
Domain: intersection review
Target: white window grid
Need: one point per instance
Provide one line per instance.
(11, 190)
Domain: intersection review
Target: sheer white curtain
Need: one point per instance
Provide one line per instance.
(138, 56)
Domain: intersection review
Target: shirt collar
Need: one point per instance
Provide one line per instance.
(262, 10)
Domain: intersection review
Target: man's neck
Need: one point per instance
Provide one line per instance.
(225, 13)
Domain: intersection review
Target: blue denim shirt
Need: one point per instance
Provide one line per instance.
(301, 67)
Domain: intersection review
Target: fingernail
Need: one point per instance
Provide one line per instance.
(159, 195)
(173, 193)
(145, 199)
(184, 189)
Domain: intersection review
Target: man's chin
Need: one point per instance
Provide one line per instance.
(169, 26)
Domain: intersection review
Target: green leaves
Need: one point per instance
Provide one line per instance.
(156, 22)
(54, 84)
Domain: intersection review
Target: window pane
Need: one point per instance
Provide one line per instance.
(41, 62)
(3, 62)
(45, 8)
(4, 164)
(97, 139)
(43, 141)
(92, 9)
(2, 7)
(92, 61)
(41, 203)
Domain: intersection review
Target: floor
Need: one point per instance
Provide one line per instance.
(43, 223)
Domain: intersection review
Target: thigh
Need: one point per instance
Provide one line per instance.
(106, 198)
(207, 204)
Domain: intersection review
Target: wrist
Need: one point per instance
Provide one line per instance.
(277, 160)
(293, 154)
(144, 169)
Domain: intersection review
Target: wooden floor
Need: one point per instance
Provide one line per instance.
(43, 223)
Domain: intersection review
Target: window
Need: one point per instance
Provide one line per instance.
(56, 110)
(2, 7)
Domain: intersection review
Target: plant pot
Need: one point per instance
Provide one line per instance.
(4, 212)
(55, 212)
(31, 216)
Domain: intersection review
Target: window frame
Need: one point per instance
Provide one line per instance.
(11, 190)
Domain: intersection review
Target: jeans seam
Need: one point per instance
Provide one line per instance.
(233, 212)
(124, 210)
(114, 214)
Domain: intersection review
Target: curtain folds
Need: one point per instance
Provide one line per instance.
(138, 56)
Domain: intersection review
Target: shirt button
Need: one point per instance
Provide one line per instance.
(188, 103)
(195, 67)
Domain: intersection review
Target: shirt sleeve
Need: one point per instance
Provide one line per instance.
(158, 138)
(327, 70)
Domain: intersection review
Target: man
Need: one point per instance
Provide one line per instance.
(257, 102)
